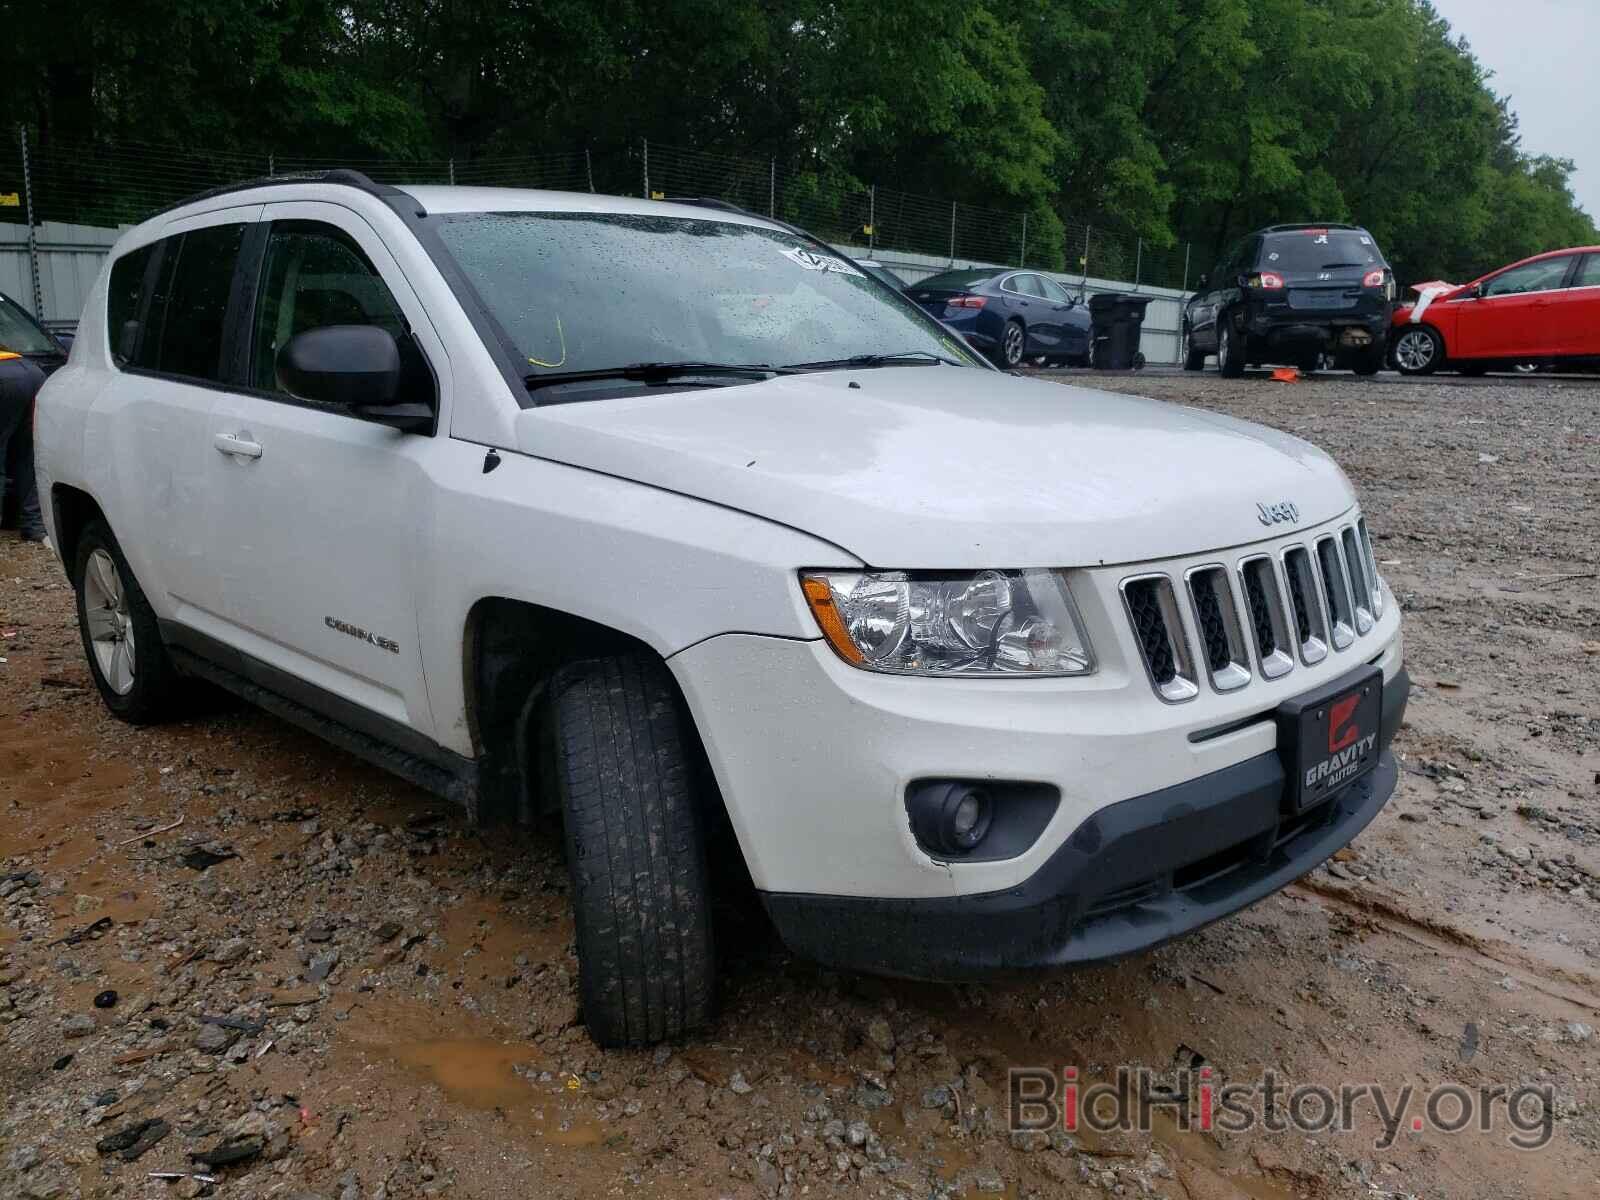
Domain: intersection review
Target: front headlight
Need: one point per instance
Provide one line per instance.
(981, 623)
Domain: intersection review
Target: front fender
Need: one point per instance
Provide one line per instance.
(665, 569)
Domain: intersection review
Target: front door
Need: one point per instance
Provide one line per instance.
(325, 517)
(1025, 302)
(1511, 318)
(1070, 338)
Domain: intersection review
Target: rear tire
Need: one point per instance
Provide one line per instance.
(1230, 354)
(1370, 361)
(1418, 351)
(1013, 345)
(625, 769)
(121, 635)
(1193, 358)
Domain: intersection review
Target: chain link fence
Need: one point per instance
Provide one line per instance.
(108, 185)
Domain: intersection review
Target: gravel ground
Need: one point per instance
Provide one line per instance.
(324, 976)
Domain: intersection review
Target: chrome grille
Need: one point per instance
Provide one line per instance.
(1301, 601)
(1360, 592)
(1217, 618)
(1336, 592)
(1365, 538)
(1153, 610)
(1268, 620)
(1311, 620)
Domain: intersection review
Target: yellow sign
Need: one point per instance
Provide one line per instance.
(10, 200)
(867, 229)
(658, 195)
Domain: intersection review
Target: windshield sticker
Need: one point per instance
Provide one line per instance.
(1273, 257)
(813, 261)
(1366, 241)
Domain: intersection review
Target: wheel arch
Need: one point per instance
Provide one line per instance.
(511, 651)
(72, 509)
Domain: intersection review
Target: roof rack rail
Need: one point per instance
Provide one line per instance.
(342, 176)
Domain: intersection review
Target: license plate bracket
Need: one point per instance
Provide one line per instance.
(1328, 738)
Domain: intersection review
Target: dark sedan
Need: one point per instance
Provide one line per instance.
(21, 334)
(1012, 316)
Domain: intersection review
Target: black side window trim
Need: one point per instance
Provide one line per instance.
(157, 269)
(241, 351)
(238, 323)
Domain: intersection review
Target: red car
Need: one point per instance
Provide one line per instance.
(1545, 309)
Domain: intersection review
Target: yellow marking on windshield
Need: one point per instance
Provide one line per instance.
(560, 333)
(958, 350)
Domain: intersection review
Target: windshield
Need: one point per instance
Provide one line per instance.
(19, 334)
(582, 292)
(1318, 250)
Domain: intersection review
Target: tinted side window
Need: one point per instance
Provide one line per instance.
(1054, 291)
(1541, 276)
(122, 302)
(315, 275)
(1589, 273)
(197, 301)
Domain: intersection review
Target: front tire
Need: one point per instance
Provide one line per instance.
(1418, 351)
(1230, 354)
(120, 632)
(625, 770)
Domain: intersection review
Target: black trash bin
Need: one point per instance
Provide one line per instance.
(1117, 323)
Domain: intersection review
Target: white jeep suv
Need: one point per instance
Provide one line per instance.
(664, 520)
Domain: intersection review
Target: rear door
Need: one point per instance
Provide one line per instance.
(1205, 307)
(1575, 311)
(1511, 319)
(322, 519)
(147, 439)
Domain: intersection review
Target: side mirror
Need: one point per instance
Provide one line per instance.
(356, 366)
(1475, 292)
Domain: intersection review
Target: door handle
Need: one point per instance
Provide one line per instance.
(230, 443)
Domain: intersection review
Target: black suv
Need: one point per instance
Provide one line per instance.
(1294, 294)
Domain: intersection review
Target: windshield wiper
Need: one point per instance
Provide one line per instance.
(655, 372)
(906, 358)
(1336, 266)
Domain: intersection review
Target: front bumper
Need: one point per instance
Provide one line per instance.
(1134, 875)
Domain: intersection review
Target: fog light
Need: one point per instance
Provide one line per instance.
(950, 817)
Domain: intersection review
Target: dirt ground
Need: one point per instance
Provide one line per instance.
(325, 972)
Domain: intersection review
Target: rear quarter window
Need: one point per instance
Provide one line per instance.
(123, 294)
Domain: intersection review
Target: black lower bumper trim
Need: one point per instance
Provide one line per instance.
(1134, 875)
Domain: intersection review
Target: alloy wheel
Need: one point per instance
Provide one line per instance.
(1013, 345)
(1414, 351)
(105, 603)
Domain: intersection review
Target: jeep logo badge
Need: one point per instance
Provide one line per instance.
(1278, 514)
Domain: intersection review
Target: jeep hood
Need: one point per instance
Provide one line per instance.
(942, 467)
